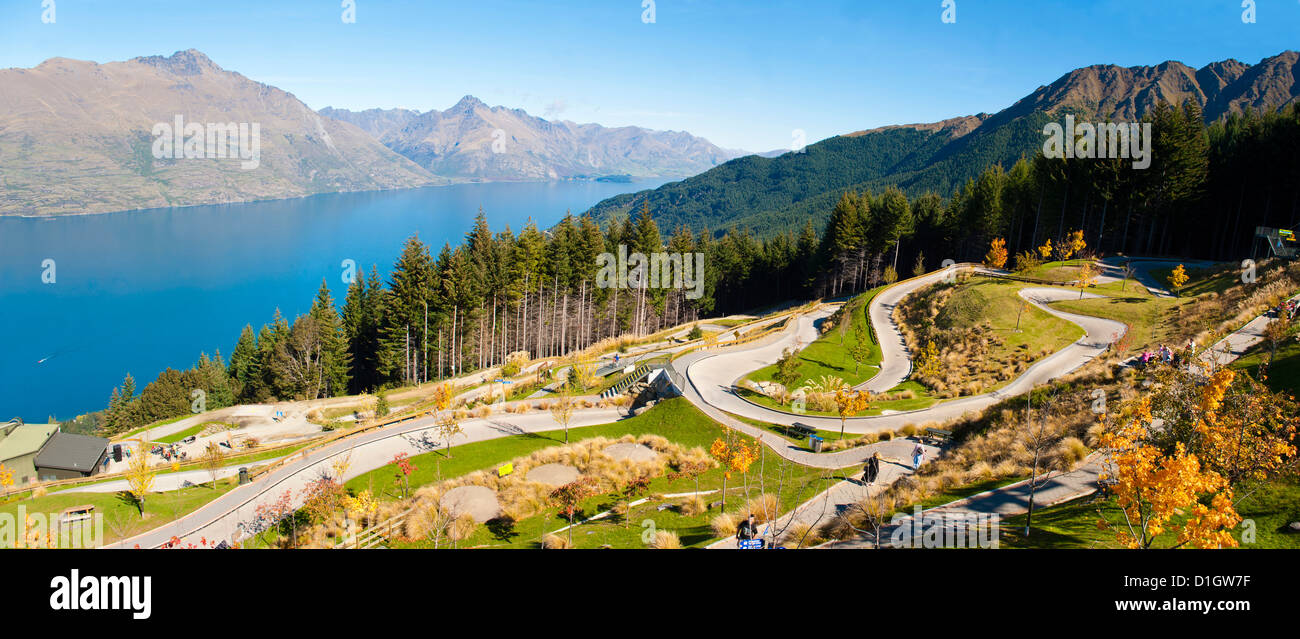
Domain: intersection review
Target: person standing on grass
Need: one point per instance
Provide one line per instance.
(872, 470)
(746, 530)
(917, 454)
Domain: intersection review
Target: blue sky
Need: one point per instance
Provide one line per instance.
(743, 73)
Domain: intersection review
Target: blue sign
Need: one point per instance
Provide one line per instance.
(751, 544)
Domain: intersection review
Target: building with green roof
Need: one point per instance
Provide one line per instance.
(19, 445)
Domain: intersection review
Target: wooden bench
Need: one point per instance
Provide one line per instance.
(801, 430)
(938, 435)
(76, 515)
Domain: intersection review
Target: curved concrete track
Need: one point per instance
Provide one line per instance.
(711, 375)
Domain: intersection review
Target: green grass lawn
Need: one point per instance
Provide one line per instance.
(729, 323)
(1143, 313)
(827, 355)
(121, 518)
(877, 407)
(780, 431)
(178, 436)
(1200, 280)
(1074, 524)
(1284, 370)
(676, 420)
(1057, 271)
(1020, 328)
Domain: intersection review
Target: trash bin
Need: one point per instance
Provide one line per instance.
(243, 476)
(815, 443)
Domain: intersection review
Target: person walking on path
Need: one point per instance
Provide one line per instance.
(917, 454)
(872, 470)
(746, 530)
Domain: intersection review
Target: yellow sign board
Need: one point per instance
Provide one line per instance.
(505, 469)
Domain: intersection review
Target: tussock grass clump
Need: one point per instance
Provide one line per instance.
(692, 506)
(801, 535)
(521, 499)
(765, 508)
(724, 524)
(665, 540)
(555, 542)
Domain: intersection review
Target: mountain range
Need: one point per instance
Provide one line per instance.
(473, 140)
(770, 195)
(81, 137)
(77, 137)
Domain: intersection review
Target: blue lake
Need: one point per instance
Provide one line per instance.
(141, 291)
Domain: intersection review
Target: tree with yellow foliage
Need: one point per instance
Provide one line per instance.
(1075, 242)
(997, 255)
(1244, 432)
(735, 456)
(1046, 249)
(1177, 278)
(848, 404)
(927, 364)
(1087, 273)
(140, 476)
(362, 507)
(6, 479)
(1151, 486)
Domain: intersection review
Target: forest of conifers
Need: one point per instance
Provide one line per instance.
(445, 312)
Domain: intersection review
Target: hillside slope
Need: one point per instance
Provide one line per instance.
(76, 137)
(782, 193)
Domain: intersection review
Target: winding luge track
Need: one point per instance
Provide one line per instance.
(711, 375)
(708, 380)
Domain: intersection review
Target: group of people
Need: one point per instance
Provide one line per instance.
(1166, 355)
(1287, 309)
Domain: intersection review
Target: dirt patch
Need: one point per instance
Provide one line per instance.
(553, 474)
(631, 452)
(479, 501)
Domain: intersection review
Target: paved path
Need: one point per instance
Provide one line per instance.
(166, 481)
(225, 517)
(1007, 501)
(711, 375)
(895, 464)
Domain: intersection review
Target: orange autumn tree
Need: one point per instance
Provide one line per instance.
(735, 456)
(1244, 432)
(997, 255)
(1152, 486)
(1046, 249)
(849, 404)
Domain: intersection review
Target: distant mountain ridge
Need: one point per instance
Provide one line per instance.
(472, 140)
(782, 193)
(76, 137)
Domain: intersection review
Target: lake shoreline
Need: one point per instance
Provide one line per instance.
(453, 182)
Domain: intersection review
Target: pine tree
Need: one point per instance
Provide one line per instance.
(335, 357)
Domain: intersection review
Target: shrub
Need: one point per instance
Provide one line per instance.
(554, 542)
(665, 540)
(724, 525)
(692, 506)
(1071, 451)
(765, 507)
(801, 535)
